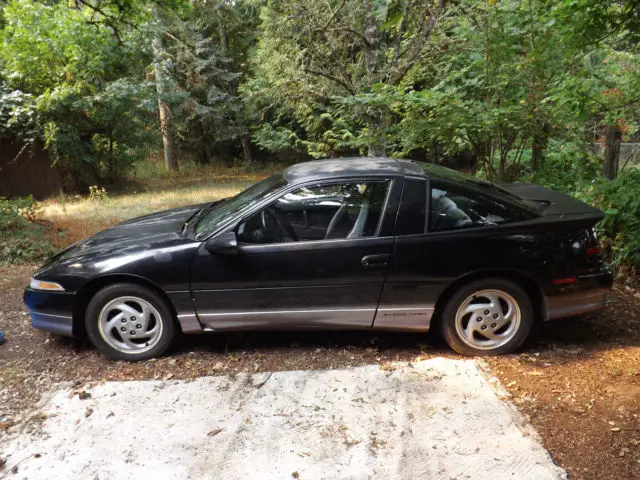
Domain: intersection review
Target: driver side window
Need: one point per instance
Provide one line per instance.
(318, 212)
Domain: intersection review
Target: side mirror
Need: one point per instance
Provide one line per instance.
(225, 243)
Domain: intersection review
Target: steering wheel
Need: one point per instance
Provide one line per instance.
(269, 219)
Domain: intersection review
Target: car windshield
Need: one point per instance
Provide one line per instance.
(223, 211)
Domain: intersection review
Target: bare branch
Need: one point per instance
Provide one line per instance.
(352, 32)
(401, 29)
(334, 79)
(434, 19)
(333, 16)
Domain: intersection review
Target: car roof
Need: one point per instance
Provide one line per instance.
(350, 166)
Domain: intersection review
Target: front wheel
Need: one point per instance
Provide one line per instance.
(487, 317)
(129, 322)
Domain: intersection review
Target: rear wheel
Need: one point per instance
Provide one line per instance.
(129, 322)
(487, 317)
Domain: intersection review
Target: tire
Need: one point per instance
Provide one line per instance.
(126, 321)
(487, 317)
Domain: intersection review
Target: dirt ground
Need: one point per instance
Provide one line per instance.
(578, 379)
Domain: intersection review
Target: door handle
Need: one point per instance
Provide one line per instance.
(375, 261)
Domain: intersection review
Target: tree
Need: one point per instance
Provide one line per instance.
(315, 56)
(84, 89)
(162, 87)
(208, 50)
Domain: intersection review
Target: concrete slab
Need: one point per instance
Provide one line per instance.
(435, 419)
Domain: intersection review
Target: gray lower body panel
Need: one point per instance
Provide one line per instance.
(282, 319)
(576, 304)
(414, 318)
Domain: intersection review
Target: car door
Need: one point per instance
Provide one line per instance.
(316, 256)
(443, 232)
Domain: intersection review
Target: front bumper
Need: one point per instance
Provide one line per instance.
(589, 293)
(50, 311)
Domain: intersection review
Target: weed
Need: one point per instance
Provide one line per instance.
(97, 194)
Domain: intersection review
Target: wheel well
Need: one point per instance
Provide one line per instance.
(527, 283)
(87, 291)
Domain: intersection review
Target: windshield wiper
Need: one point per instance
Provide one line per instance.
(186, 223)
(192, 219)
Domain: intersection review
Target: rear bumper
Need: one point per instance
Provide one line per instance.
(50, 311)
(589, 293)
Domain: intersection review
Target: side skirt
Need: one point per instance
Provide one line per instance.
(416, 318)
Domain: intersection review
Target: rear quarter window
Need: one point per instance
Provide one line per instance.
(453, 207)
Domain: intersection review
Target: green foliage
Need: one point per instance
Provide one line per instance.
(316, 65)
(17, 114)
(571, 169)
(26, 246)
(21, 238)
(16, 214)
(620, 230)
(76, 86)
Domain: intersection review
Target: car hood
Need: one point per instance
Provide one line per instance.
(159, 230)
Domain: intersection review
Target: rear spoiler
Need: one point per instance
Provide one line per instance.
(552, 203)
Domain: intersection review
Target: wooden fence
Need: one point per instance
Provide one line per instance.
(26, 172)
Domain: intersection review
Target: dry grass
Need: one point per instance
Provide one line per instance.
(73, 218)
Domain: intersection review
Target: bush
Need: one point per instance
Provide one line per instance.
(620, 229)
(16, 214)
(26, 248)
(21, 238)
(569, 167)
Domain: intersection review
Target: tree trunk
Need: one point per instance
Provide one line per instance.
(613, 138)
(371, 49)
(501, 168)
(245, 139)
(376, 149)
(166, 125)
(376, 145)
(246, 148)
(539, 146)
(482, 152)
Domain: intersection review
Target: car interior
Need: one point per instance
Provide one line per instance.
(451, 210)
(321, 212)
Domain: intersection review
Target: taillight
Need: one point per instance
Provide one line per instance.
(591, 251)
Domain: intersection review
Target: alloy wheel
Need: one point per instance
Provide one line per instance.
(488, 319)
(130, 325)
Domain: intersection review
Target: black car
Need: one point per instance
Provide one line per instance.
(362, 243)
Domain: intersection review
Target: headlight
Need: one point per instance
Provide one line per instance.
(44, 285)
